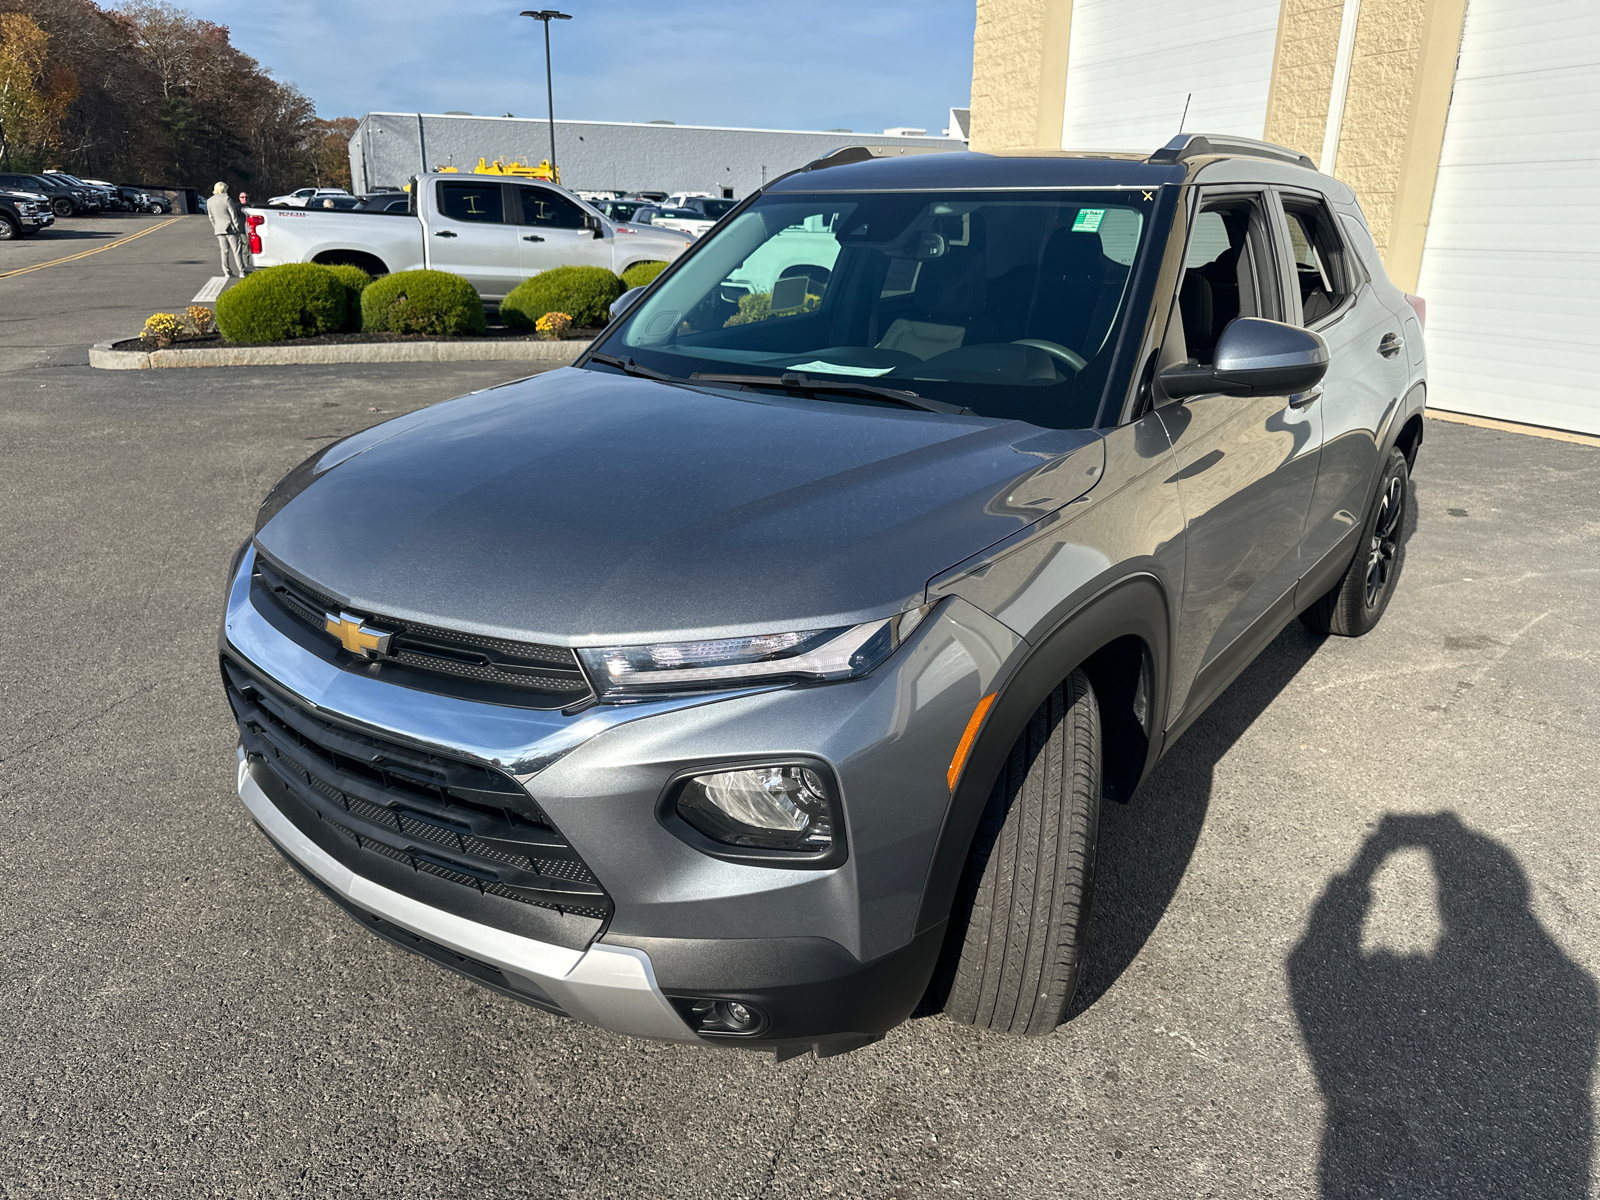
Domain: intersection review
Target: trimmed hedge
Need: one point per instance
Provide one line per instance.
(355, 281)
(583, 293)
(641, 274)
(276, 303)
(430, 302)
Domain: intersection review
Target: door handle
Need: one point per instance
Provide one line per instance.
(1391, 345)
(532, 237)
(445, 233)
(1306, 398)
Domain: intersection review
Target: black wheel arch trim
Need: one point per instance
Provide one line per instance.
(1132, 606)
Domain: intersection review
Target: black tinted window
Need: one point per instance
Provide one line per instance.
(549, 209)
(1321, 269)
(471, 202)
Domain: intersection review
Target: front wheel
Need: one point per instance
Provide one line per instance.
(61, 206)
(8, 230)
(1355, 604)
(1026, 896)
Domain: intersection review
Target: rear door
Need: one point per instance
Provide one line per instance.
(1367, 370)
(1246, 466)
(469, 234)
(552, 232)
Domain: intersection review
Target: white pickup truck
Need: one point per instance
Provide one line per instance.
(494, 231)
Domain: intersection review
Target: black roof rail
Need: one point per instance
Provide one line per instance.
(1197, 145)
(845, 155)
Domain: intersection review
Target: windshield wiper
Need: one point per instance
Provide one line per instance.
(629, 367)
(793, 381)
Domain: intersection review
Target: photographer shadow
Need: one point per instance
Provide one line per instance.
(1464, 1072)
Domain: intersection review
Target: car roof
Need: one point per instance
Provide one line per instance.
(1189, 158)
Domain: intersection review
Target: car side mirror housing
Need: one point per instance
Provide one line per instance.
(624, 302)
(594, 224)
(1255, 357)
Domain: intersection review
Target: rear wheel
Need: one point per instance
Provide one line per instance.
(1355, 604)
(1029, 884)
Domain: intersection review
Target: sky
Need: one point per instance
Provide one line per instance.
(772, 64)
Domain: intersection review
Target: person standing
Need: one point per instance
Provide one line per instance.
(227, 222)
(245, 256)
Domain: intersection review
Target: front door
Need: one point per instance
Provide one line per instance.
(553, 233)
(470, 236)
(1246, 466)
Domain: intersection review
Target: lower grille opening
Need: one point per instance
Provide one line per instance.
(453, 820)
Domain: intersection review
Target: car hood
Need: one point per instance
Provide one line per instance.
(582, 507)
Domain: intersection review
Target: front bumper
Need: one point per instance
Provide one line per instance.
(833, 957)
(610, 986)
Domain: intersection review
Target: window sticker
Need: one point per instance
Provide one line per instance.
(826, 368)
(1088, 220)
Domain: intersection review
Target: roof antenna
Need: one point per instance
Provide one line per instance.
(1185, 116)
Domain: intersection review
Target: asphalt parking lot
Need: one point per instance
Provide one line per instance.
(1345, 944)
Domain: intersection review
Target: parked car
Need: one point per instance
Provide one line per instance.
(620, 211)
(684, 220)
(23, 214)
(65, 200)
(394, 201)
(140, 200)
(305, 197)
(494, 231)
(99, 197)
(681, 199)
(726, 687)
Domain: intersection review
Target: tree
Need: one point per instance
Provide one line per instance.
(331, 151)
(34, 92)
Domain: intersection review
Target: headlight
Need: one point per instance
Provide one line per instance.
(809, 654)
(775, 808)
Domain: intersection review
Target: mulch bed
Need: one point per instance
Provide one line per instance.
(215, 341)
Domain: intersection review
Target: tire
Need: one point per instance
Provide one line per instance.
(1355, 604)
(62, 207)
(1023, 911)
(8, 230)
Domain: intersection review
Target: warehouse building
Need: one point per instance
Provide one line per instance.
(1470, 130)
(389, 148)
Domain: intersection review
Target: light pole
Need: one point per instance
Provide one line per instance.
(546, 16)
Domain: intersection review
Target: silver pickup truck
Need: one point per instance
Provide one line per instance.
(496, 232)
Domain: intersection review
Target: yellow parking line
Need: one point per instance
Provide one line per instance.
(1554, 435)
(85, 253)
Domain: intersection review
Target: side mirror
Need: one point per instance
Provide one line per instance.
(593, 223)
(624, 302)
(1255, 357)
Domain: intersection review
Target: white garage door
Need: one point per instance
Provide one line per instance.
(1132, 63)
(1511, 267)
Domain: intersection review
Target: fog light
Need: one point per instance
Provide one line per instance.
(775, 808)
(729, 1017)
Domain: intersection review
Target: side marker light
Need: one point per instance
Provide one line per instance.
(964, 747)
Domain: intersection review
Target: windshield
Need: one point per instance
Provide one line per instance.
(1006, 303)
(717, 209)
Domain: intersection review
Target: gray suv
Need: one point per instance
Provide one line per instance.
(765, 673)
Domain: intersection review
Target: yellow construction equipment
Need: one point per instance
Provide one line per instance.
(518, 170)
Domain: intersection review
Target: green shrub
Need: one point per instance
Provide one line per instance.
(641, 274)
(583, 293)
(431, 302)
(355, 281)
(289, 301)
(757, 306)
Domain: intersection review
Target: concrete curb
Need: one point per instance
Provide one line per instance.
(555, 353)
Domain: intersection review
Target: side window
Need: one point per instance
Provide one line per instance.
(478, 202)
(553, 211)
(1323, 270)
(1228, 273)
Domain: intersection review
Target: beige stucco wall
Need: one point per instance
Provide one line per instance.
(1401, 74)
(1019, 73)
(1302, 74)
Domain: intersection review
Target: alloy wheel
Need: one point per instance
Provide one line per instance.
(1385, 543)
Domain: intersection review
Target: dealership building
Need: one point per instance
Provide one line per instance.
(1470, 130)
(388, 148)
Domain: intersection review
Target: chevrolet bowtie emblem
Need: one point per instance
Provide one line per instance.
(356, 636)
